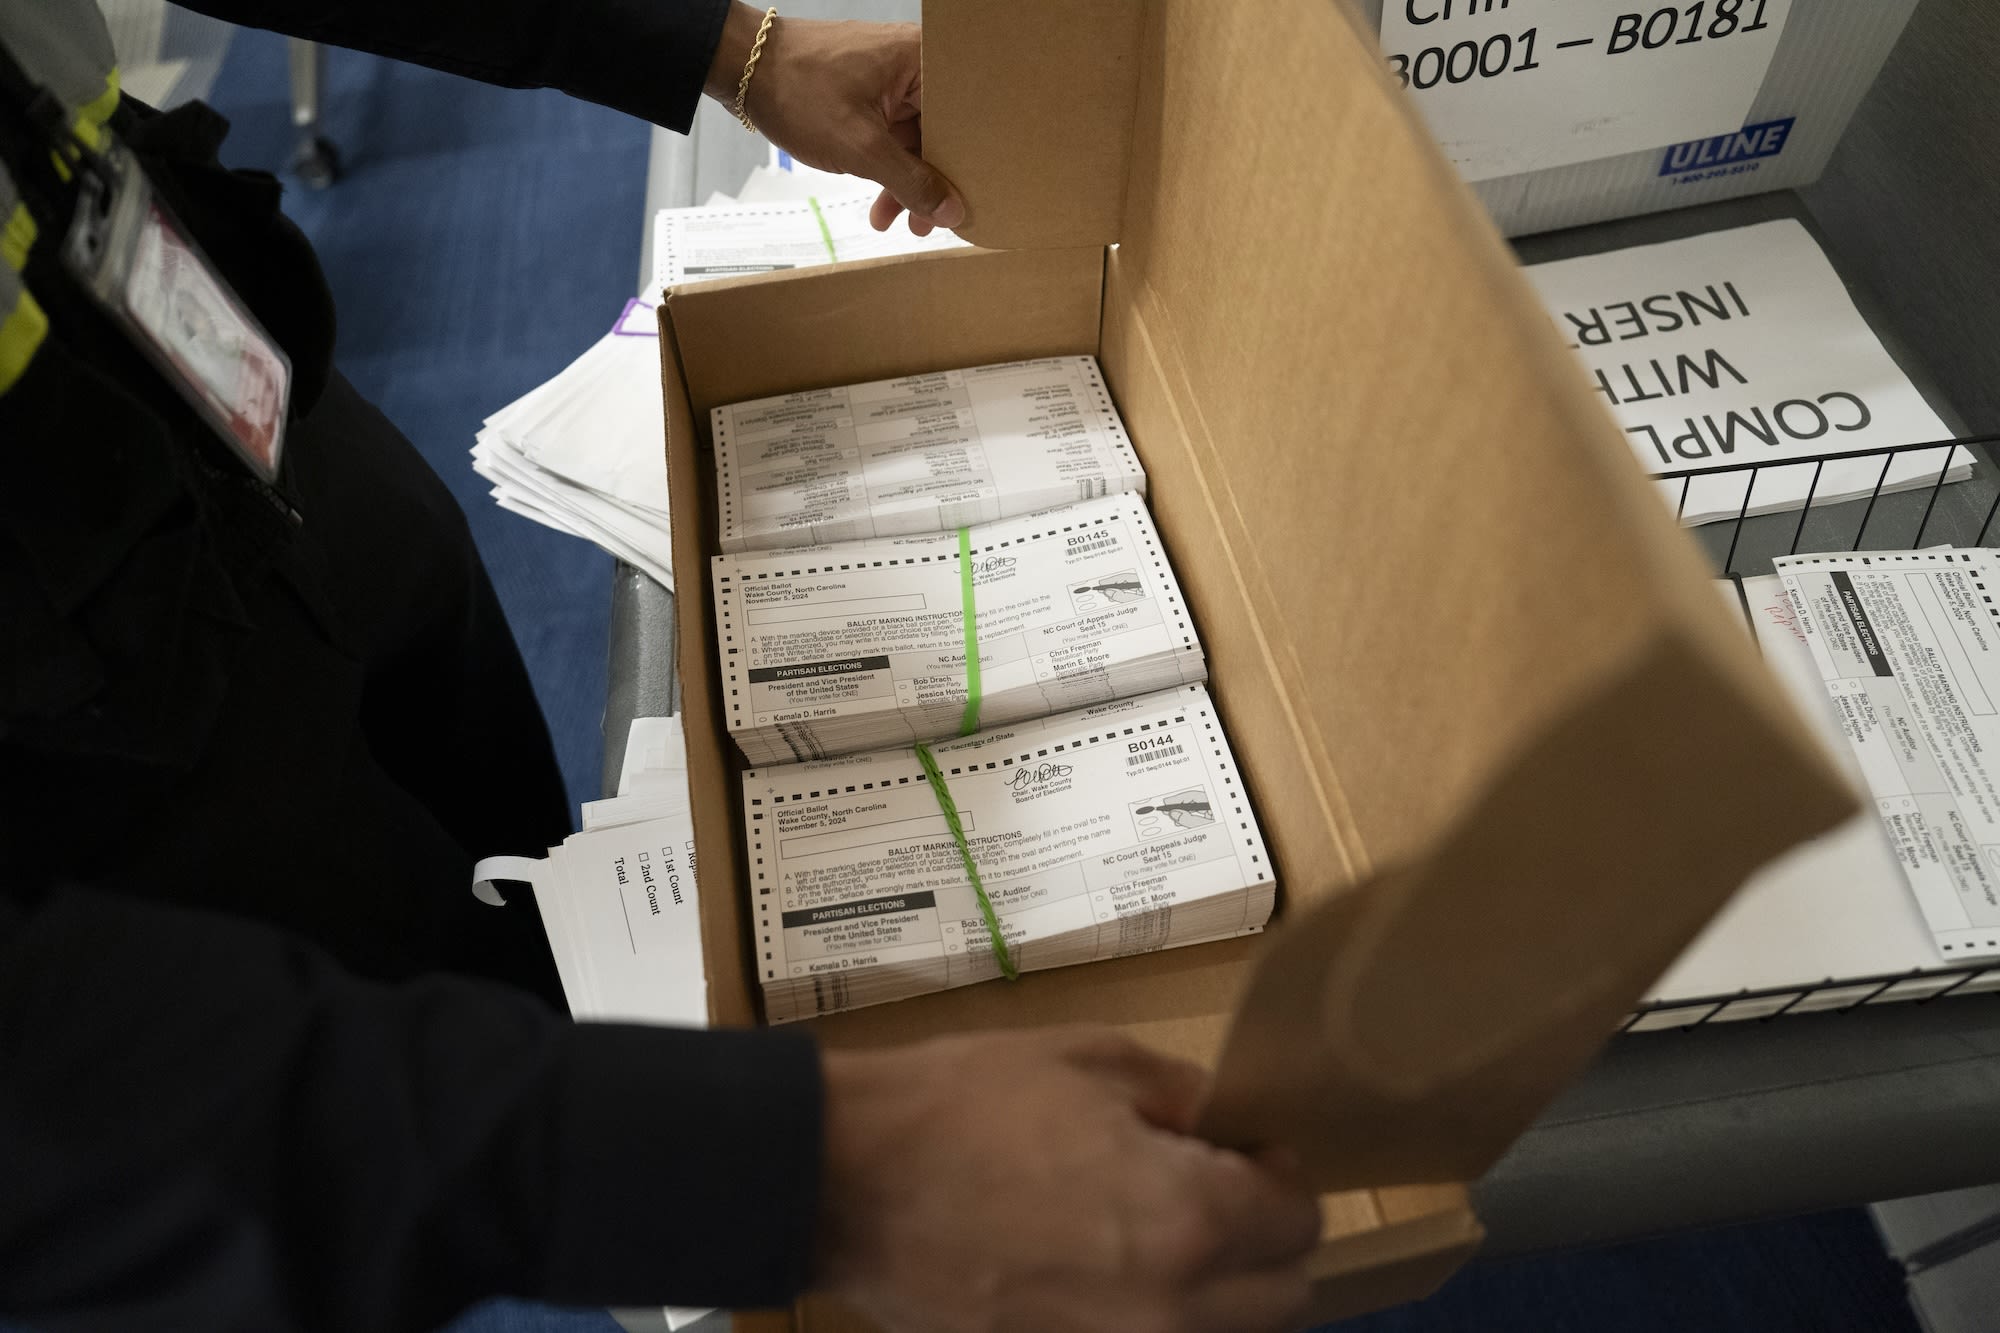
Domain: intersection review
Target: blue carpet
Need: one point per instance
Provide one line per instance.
(480, 239)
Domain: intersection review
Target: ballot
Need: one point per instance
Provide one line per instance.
(730, 238)
(923, 453)
(1908, 646)
(1114, 830)
(832, 650)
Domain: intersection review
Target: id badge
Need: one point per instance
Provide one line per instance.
(143, 270)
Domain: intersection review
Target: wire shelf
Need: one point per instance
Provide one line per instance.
(1887, 516)
(1882, 516)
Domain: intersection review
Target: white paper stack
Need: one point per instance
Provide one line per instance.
(618, 900)
(832, 650)
(1116, 830)
(1819, 928)
(653, 782)
(583, 452)
(784, 229)
(925, 453)
(1907, 644)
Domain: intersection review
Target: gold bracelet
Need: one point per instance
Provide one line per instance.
(750, 67)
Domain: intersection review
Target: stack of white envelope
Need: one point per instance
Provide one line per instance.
(618, 900)
(582, 453)
(1115, 830)
(831, 650)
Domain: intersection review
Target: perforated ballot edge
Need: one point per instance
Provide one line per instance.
(1025, 749)
(730, 572)
(1115, 454)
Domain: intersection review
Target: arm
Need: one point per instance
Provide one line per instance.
(204, 1125)
(840, 96)
(649, 58)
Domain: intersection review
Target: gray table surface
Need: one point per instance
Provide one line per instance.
(1733, 1122)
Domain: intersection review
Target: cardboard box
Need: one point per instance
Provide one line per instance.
(1826, 59)
(1508, 751)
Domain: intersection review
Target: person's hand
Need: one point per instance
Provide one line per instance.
(1047, 1182)
(842, 97)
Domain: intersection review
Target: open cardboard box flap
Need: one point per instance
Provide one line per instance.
(1507, 751)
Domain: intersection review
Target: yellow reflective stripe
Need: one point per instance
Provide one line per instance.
(20, 334)
(90, 117)
(25, 326)
(17, 236)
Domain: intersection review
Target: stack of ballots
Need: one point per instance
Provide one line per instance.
(581, 453)
(924, 453)
(964, 555)
(1115, 830)
(786, 216)
(830, 650)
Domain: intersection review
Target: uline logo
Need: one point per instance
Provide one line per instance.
(1744, 145)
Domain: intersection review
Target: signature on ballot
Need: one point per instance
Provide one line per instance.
(1036, 776)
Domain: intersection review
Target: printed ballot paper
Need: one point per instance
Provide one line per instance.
(1820, 927)
(1508, 88)
(731, 239)
(1116, 830)
(924, 453)
(830, 650)
(1908, 644)
(1743, 346)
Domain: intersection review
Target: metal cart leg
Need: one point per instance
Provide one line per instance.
(314, 158)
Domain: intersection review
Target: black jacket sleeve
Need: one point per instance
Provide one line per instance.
(205, 1125)
(645, 57)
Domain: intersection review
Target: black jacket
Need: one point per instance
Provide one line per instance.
(263, 1062)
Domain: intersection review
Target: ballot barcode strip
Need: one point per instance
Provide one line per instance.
(1149, 756)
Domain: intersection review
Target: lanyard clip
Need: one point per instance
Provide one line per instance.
(44, 115)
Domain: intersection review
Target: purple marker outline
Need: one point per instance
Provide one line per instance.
(618, 329)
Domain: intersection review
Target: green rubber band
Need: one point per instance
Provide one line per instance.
(969, 722)
(950, 808)
(825, 236)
